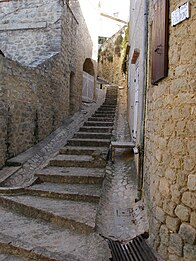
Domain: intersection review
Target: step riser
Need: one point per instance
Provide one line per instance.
(101, 124)
(88, 143)
(96, 130)
(79, 164)
(103, 115)
(55, 195)
(93, 135)
(73, 151)
(70, 179)
(101, 119)
(32, 212)
(24, 253)
(107, 108)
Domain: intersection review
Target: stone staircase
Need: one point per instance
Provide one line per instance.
(55, 218)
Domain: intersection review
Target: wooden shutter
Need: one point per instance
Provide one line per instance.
(160, 40)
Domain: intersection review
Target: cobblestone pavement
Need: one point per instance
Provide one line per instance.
(119, 216)
(39, 155)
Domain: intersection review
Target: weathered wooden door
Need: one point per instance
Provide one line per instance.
(160, 41)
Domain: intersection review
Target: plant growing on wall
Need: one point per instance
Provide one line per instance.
(125, 43)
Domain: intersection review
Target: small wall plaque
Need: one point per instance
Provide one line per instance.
(180, 14)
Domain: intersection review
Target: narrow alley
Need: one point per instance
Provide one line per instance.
(97, 130)
(54, 217)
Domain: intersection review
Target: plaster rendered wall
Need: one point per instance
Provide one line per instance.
(170, 180)
(110, 61)
(136, 41)
(34, 101)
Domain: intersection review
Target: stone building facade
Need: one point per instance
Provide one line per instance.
(169, 187)
(41, 84)
(111, 57)
(170, 146)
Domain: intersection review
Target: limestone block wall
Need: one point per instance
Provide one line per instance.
(111, 55)
(169, 169)
(34, 101)
(30, 31)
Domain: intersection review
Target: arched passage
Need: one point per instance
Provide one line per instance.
(88, 91)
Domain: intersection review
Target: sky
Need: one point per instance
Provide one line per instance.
(112, 6)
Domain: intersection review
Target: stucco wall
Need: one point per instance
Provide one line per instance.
(170, 180)
(35, 101)
(136, 42)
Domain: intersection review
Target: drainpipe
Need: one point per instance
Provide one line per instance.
(143, 111)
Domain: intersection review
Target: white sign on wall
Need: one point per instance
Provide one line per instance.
(180, 14)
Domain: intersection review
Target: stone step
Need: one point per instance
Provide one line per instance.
(76, 215)
(81, 161)
(75, 192)
(93, 135)
(104, 119)
(107, 107)
(104, 115)
(74, 150)
(7, 257)
(6, 172)
(37, 239)
(71, 175)
(96, 129)
(99, 123)
(89, 142)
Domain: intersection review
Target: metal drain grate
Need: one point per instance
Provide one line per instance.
(135, 250)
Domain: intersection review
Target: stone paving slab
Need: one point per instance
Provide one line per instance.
(84, 192)
(76, 215)
(28, 233)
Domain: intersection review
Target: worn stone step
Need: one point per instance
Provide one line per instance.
(76, 192)
(108, 106)
(96, 129)
(99, 123)
(104, 119)
(81, 161)
(104, 111)
(93, 135)
(7, 257)
(89, 142)
(104, 115)
(37, 239)
(71, 175)
(76, 215)
(6, 172)
(77, 150)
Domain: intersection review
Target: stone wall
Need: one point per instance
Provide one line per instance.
(111, 55)
(34, 101)
(169, 169)
(30, 31)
